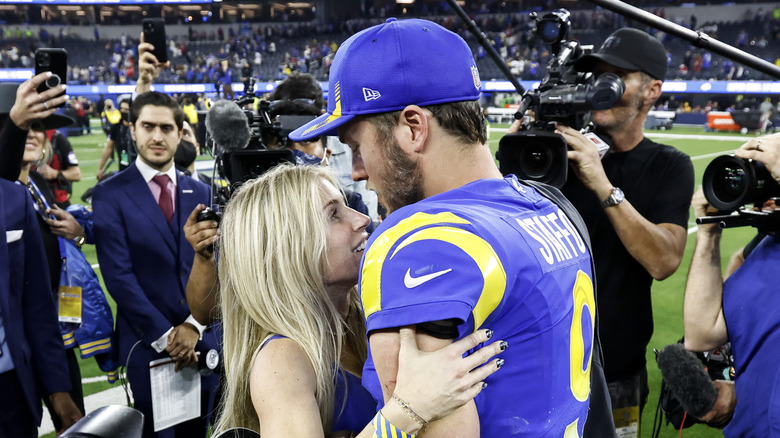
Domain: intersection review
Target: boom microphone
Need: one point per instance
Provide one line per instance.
(228, 127)
(687, 378)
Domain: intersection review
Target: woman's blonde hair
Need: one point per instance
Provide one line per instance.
(272, 250)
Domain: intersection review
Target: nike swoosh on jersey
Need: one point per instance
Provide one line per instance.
(412, 282)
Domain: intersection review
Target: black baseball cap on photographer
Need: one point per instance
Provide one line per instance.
(630, 49)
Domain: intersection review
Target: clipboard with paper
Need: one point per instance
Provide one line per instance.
(175, 395)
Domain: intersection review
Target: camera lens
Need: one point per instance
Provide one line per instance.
(728, 182)
(534, 155)
(536, 160)
(731, 182)
(550, 31)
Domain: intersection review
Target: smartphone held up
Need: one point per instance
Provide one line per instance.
(154, 34)
(54, 60)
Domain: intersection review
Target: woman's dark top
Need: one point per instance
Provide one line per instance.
(51, 243)
(360, 407)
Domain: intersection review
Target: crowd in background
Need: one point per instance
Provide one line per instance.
(268, 52)
(221, 57)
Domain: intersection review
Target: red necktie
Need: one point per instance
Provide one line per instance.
(165, 202)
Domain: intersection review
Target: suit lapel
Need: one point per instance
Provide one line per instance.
(139, 194)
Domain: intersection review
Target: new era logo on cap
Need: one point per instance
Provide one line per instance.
(369, 94)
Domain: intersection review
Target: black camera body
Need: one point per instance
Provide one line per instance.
(730, 183)
(564, 96)
(207, 214)
(238, 166)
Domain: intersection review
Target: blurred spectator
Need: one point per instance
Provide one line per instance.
(112, 122)
(61, 169)
(742, 39)
(765, 108)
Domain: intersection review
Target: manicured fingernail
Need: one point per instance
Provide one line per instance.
(64, 86)
(489, 333)
(499, 363)
(503, 345)
(484, 385)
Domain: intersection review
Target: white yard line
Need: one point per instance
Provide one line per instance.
(734, 139)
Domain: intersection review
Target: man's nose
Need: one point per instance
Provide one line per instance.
(358, 170)
(157, 134)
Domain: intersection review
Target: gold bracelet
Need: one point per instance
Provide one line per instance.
(408, 409)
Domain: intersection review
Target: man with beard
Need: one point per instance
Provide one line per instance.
(463, 248)
(635, 203)
(146, 261)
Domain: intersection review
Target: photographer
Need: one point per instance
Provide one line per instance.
(634, 202)
(736, 310)
(301, 94)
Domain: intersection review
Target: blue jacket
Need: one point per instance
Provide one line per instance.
(29, 315)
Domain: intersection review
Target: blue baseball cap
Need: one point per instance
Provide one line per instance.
(392, 65)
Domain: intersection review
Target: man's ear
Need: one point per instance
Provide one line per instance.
(653, 92)
(413, 124)
(132, 132)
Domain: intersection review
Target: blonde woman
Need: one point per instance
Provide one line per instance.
(294, 338)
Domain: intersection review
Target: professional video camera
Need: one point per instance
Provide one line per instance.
(245, 144)
(730, 183)
(565, 96)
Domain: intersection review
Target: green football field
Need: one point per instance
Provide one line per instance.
(667, 294)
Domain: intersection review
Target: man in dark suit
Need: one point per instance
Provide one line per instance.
(146, 261)
(32, 357)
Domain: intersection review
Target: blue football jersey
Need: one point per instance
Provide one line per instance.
(750, 302)
(493, 254)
